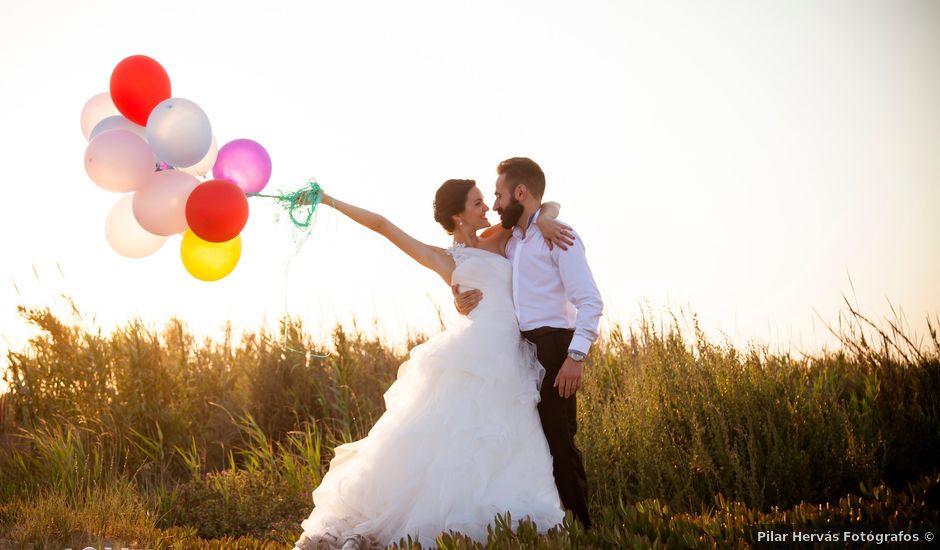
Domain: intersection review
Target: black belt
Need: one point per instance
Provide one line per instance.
(537, 333)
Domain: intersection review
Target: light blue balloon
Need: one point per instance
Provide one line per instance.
(117, 122)
(179, 132)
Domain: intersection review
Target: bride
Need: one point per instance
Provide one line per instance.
(460, 440)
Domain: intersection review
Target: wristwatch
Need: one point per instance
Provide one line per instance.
(576, 355)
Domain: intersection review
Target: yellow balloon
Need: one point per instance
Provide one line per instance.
(209, 261)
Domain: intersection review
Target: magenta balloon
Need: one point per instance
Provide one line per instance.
(245, 163)
(160, 204)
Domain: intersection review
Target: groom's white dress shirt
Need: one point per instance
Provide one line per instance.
(553, 288)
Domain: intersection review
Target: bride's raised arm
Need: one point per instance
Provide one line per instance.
(432, 257)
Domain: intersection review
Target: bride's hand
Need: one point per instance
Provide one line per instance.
(555, 233)
(303, 199)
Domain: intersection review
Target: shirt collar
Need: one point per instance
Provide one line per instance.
(517, 231)
(535, 216)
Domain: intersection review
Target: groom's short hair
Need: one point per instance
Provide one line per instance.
(524, 171)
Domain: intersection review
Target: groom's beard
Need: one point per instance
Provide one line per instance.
(511, 214)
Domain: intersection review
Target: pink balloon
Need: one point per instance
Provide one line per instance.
(245, 163)
(160, 204)
(118, 160)
(118, 122)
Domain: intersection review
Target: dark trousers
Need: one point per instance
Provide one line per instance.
(559, 421)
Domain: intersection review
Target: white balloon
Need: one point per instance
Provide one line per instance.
(95, 110)
(179, 132)
(205, 165)
(125, 235)
(117, 122)
(118, 160)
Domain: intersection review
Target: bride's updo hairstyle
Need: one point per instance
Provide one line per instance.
(450, 200)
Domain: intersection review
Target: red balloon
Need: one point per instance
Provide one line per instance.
(138, 84)
(217, 211)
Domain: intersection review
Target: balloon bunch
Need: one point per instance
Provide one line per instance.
(160, 149)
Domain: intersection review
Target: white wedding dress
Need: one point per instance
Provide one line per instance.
(460, 441)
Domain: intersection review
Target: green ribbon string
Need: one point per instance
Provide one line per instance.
(300, 206)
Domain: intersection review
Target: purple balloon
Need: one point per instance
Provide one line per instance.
(245, 163)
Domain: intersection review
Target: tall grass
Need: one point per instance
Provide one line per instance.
(680, 422)
(199, 439)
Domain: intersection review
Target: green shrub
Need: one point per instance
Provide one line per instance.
(236, 503)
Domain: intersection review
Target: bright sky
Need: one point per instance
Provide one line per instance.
(740, 160)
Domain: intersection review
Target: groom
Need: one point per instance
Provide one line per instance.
(558, 307)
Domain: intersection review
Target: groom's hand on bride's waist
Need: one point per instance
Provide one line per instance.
(466, 301)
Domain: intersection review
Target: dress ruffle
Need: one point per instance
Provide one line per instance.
(459, 443)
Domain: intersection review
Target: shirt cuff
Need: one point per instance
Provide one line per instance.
(580, 343)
